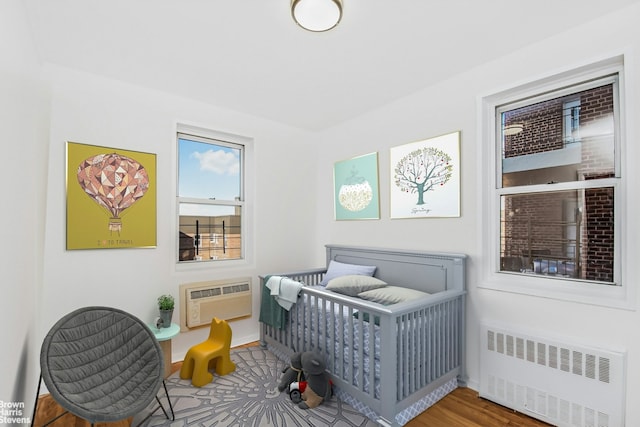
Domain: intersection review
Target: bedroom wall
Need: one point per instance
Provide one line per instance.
(93, 110)
(453, 105)
(24, 119)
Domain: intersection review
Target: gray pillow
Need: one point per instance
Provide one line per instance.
(391, 295)
(337, 269)
(353, 284)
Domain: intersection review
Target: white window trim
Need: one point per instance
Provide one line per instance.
(248, 217)
(622, 296)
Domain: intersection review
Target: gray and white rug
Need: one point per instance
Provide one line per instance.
(248, 397)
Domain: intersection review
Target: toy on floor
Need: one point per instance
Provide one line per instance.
(292, 373)
(212, 353)
(317, 388)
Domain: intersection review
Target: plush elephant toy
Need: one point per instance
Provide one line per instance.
(318, 387)
(292, 373)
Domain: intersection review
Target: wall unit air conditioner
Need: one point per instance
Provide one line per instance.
(225, 299)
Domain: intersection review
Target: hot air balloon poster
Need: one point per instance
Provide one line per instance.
(111, 198)
(356, 188)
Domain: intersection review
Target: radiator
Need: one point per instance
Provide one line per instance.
(552, 379)
(224, 299)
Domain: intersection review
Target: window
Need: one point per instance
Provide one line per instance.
(570, 232)
(553, 206)
(210, 199)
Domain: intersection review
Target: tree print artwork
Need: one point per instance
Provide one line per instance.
(423, 170)
(426, 178)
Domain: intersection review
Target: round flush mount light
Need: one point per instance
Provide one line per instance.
(513, 129)
(316, 15)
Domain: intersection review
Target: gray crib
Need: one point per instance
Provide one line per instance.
(408, 357)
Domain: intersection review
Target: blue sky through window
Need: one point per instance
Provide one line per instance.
(208, 171)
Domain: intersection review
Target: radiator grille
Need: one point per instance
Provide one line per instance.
(557, 382)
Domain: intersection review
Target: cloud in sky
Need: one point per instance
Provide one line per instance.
(218, 161)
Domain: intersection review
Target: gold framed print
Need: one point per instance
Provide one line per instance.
(111, 198)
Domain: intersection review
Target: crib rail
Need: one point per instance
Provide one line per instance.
(311, 277)
(422, 343)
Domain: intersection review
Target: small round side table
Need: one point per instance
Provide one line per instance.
(164, 335)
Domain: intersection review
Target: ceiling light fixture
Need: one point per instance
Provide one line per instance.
(316, 15)
(513, 129)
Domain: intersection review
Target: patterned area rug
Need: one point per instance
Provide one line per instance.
(248, 397)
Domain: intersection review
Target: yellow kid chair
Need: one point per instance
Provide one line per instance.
(214, 352)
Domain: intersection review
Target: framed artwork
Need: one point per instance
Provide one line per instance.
(111, 198)
(356, 193)
(426, 178)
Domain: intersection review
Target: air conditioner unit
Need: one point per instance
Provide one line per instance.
(224, 299)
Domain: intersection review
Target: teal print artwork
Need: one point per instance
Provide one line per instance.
(356, 188)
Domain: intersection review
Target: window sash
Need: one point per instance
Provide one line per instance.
(568, 241)
(214, 142)
(213, 236)
(565, 91)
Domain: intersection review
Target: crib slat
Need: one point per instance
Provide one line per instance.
(432, 344)
(424, 335)
(419, 352)
(316, 319)
(297, 328)
(409, 365)
(372, 369)
(411, 353)
(358, 342)
(331, 343)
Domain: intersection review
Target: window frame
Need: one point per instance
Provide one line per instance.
(491, 190)
(245, 145)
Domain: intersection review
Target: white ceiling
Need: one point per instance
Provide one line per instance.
(249, 56)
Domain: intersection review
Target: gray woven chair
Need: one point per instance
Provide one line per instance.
(102, 364)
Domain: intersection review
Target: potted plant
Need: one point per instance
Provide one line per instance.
(166, 303)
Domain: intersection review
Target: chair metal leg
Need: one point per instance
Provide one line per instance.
(35, 407)
(173, 415)
(51, 421)
(161, 406)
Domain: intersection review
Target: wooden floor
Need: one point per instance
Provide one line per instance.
(461, 408)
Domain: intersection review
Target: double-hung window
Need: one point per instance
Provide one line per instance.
(553, 210)
(210, 198)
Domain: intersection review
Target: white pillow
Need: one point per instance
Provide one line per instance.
(391, 295)
(353, 284)
(337, 269)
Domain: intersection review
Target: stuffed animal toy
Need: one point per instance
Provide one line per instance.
(292, 373)
(318, 387)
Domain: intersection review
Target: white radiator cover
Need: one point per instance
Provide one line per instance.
(556, 381)
(223, 299)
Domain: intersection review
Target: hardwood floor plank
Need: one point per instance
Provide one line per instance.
(464, 408)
